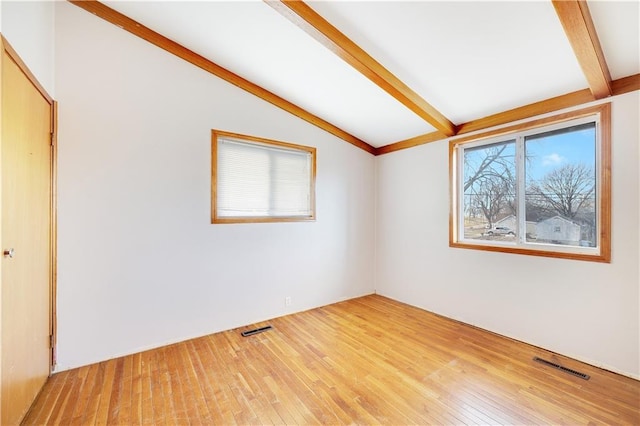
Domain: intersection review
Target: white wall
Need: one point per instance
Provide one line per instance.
(139, 264)
(582, 309)
(28, 26)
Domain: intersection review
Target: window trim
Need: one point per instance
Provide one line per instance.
(215, 219)
(604, 187)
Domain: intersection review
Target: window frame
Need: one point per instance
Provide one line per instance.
(602, 253)
(216, 219)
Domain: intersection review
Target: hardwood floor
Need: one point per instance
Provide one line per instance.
(369, 360)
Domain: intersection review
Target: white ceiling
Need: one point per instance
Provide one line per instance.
(467, 59)
(618, 30)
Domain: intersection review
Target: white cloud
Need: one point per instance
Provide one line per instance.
(552, 160)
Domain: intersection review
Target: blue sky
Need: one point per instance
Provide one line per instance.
(546, 154)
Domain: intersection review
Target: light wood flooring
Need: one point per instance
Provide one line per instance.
(369, 360)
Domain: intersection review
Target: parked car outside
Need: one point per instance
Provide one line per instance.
(501, 230)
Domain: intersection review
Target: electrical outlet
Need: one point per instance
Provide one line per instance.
(287, 301)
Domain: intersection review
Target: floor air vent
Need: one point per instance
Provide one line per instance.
(255, 331)
(560, 367)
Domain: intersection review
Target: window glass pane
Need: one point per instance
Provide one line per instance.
(560, 192)
(489, 192)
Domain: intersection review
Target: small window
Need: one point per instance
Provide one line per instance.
(261, 180)
(540, 188)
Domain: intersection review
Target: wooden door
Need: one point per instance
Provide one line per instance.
(25, 209)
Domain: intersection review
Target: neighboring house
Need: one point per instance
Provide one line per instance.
(510, 222)
(559, 230)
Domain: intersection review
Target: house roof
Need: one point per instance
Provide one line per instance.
(385, 75)
(558, 217)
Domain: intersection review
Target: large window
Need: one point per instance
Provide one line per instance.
(261, 180)
(540, 188)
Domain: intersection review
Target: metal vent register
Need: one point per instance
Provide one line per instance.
(562, 368)
(255, 331)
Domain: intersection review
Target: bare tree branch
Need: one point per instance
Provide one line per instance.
(565, 190)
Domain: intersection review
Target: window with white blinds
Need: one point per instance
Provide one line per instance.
(260, 180)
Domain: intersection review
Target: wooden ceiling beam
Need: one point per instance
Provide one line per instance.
(411, 142)
(320, 29)
(577, 23)
(135, 28)
(619, 87)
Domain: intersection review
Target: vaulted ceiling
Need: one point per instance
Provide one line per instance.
(386, 75)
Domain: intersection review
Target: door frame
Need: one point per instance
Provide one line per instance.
(5, 47)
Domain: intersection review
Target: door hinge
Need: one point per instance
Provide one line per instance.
(51, 138)
(51, 341)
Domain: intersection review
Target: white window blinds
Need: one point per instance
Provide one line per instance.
(263, 180)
